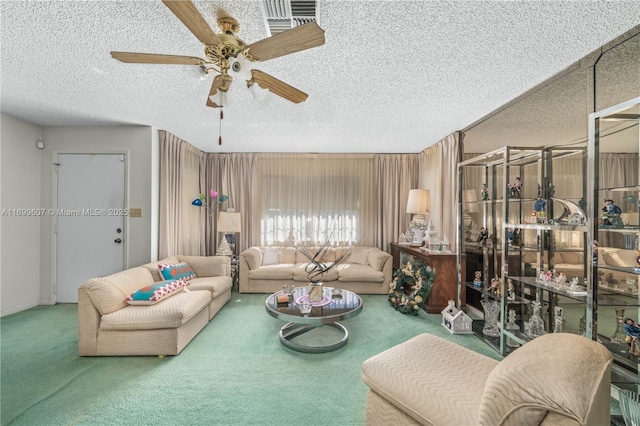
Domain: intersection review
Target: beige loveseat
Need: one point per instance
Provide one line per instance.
(569, 262)
(107, 325)
(572, 263)
(368, 270)
(555, 379)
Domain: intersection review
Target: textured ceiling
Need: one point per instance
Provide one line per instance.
(393, 76)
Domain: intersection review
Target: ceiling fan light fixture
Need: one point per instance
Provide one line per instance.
(220, 98)
(258, 92)
(196, 71)
(240, 67)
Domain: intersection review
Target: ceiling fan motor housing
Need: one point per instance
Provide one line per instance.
(228, 47)
(228, 25)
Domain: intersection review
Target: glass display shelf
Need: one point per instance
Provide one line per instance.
(621, 189)
(547, 227)
(490, 294)
(492, 342)
(621, 289)
(626, 269)
(614, 175)
(617, 300)
(563, 291)
(518, 336)
(627, 229)
(620, 352)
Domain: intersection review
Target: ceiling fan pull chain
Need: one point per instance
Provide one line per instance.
(221, 117)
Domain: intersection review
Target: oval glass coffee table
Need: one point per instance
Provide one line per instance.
(326, 313)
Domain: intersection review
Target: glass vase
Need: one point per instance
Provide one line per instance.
(536, 324)
(618, 335)
(491, 313)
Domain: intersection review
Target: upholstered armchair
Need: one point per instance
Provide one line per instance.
(556, 379)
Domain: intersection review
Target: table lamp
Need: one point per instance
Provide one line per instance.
(229, 224)
(418, 204)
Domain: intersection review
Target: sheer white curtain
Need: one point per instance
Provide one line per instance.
(315, 197)
(439, 174)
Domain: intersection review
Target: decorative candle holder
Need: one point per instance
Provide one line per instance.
(618, 335)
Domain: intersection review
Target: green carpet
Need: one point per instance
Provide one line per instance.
(235, 372)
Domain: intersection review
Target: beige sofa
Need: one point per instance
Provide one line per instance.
(572, 263)
(558, 378)
(266, 269)
(107, 325)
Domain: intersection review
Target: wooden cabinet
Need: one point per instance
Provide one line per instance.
(445, 285)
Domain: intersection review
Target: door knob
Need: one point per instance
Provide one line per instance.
(118, 240)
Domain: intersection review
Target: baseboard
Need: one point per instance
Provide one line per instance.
(16, 309)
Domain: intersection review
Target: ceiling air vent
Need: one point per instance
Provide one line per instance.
(282, 15)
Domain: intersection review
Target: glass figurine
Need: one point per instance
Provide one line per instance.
(511, 325)
(558, 321)
(536, 324)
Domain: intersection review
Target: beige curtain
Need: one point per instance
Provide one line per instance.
(396, 174)
(439, 174)
(181, 223)
(284, 196)
(233, 175)
(618, 170)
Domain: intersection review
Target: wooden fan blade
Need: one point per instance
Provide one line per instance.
(219, 83)
(152, 58)
(278, 87)
(294, 40)
(214, 89)
(192, 19)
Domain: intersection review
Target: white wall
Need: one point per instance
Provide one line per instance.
(137, 142)
(155, 193)
(21, 239)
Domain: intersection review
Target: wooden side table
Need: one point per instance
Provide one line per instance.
(445, 285)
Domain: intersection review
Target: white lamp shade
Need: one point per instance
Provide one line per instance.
(419, 201)
(229, 222)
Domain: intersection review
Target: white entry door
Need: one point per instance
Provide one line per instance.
(90, 220)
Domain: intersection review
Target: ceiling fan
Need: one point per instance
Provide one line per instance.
(231, 57)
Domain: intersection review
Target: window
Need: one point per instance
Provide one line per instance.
(310, 208)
